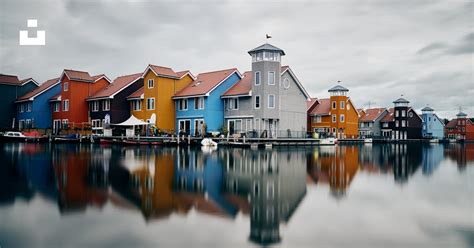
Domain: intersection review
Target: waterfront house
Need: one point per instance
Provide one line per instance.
(311, 104)
(268, 101)
(70, 109)
(369, 122)
(460, 128)
(199, 107)
(34, 109)
(336, 116)
(408, 123)
(11, 88)
(160, 85)
(110, 104)
(433, 126)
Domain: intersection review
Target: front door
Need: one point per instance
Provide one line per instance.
(56, 126)
(184, 126)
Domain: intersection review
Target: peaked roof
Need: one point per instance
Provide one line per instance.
(9, 79)
(78, 75)
(323, 107)
(97, 77)
(181, 74)
(266, 47)
(161, 71)
(401, 100)
(310, 103)
(137, 94)
(55, 98)
(205, 83)
(389, 117)
(26, 80)
(338, 88)
(38, 90)
(427, 109)
(372, 114)
(116, 86)
(242, 87)
(461, 114)
(451, 123)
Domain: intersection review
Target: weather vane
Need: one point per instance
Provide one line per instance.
(268, 36)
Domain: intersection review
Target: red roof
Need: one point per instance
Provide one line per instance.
(9, 79)
(451, 123)
(371, 114)
(38, 90)
(117, 85)
(181, 74)
(136, 94)
(205, 82)
(323, 107)
(78, 75)
(242, 87)
(311, 102)
(162, 71)
(389, 117)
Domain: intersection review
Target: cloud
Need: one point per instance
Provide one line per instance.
(431, 48)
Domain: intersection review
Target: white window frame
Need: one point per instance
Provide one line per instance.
(234, 103)
(65, 105)
(404, 113)
(259, 102)
(270, 101)
(66, 86)
(136, 105)
(342, 104)
(151, 83)
(148, 100)
(342, 118)
(334, 105)
(272, 73)
(56, 106)
(334, 118)
(106, 105)
(180, 103)
(95, 106)
(200, 103)
(258, 79)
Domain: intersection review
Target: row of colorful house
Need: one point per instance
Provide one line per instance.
(268, 101)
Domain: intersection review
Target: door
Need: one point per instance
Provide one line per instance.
(231, 125)
(56, 126)
(184, 126)
(198, 127)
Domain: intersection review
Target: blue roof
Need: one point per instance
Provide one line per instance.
(338, 88)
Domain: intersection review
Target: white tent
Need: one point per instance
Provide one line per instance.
(132, 121)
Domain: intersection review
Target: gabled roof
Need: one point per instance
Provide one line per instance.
(266, 47)
(136, 95)
(451, 123)
(401, 100)
(182, 74)
(205, 83)
(311, 102)
(242, 87)
(39, 90)
(26, 80)
(161, 71)
(287, 68)
(100, 76)
(372, 114)
(323, 107)
(116, 86)
(390, 116)
(338, 88)
(9, 79)
(77, 75)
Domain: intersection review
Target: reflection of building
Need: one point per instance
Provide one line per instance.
(462, 154)
(406, 160)
(273, 181)
(432, 158)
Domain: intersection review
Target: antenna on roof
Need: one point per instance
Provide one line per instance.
(369, 103)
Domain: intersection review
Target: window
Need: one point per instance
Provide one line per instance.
(233, 103)
(342, 104)
(257, 102)
(429, 118)
(28, 107)
(270, 190)
(271, 101)
(286, 83)
(66, 86)
(341, 118)
(106, 105)
(96, 123)
(403, 123)
(271, 78)
(334, 130)
(385, 124)
(255, 189)
(150, 103)
(66, 105)
(183, 104)
(404, 113)
(318, 119)
(257, 78)
(334, 118)
(65, 123)
(348, 106)
(56, 107)
(410, 114)
(334, 105)
(199, 103)
(136, 105)
(151, 83)
(95, 106)
(22, 108)
(396, 123)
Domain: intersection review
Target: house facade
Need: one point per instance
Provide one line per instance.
(12, 88)
(433, 126)
(335, 117)
(271, 101)
(460, 128)
(34, 109)
(110, 104)
(70, 108)
(369, 122)
(408, 123)
(199, 106)
(160, 85)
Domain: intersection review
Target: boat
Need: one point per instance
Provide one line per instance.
(368, 140)
(434, 140)
(328, 141)
(108, 141)
(19, 136)
(71, 138)
(208, 142)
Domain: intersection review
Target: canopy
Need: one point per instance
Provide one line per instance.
(132, 121)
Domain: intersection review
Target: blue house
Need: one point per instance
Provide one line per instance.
(433, 126)
(199, 107)
(34, 109)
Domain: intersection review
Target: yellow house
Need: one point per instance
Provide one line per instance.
(153, 102)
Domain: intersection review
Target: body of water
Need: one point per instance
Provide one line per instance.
(380, 195)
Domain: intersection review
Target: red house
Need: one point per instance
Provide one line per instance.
(460, 128)
(70, 109)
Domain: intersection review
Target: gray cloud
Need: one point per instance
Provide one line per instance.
(369, 46)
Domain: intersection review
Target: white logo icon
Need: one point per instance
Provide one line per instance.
(39, 40)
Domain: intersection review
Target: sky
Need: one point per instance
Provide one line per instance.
(379, 50)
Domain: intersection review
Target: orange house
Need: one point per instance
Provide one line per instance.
(335, 116)
(70, 109)
(160, 85)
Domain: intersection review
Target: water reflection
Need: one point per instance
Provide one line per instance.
(265, 186)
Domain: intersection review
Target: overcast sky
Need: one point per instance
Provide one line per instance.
(378, 49)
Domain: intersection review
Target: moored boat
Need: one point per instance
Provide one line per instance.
(328, 141)
(20, 137)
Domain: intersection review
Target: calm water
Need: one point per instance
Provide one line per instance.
(344, 196)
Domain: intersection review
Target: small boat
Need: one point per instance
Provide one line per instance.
(71, 138)
(108, 141)
(135, 142)
(328, 141)
(368, 140)
(434, 140)
(208, 142)
(18, 136)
